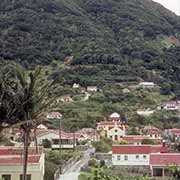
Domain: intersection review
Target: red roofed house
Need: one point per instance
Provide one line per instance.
(131, 155)
(11, 164)
(113, 129)
(54, 115)
(155, 158)
(159, 163)
(67, 139)
(137, 139)
(87, 134)
(152, 132)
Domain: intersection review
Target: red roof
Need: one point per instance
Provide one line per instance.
(138, 138)
(164, 159)
(18, 160)
(5, 151)
(143, 149)
(161, 149)
(174, 131)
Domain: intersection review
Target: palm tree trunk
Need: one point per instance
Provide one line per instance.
(35, 140)
(25, 153)
(74, 139)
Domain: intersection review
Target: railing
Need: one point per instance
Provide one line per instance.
(65, 167)
(57, 174)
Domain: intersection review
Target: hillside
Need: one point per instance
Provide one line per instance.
(113, 41)
(39, 31)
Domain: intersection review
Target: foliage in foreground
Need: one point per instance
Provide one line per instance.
(104, 174)
(104, 145)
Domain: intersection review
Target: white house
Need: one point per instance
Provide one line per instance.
(11, 163)
(146, 84)
(115, 117)
(87, 134)
(92, 89)
(170, 106)
(156, 159)
(75, 86)
(145, 112)
(67, 139)
(126, 90)
(66, 99)
(54, 115)
(42, 126)
(132, 155)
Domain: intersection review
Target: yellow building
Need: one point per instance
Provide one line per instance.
(114, 128)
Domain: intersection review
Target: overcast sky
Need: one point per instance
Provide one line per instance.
(173, 5)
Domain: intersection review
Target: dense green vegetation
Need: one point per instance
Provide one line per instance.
(104, 145)
(111, 41)
(105, 174)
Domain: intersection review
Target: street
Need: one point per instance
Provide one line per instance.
(73, 172)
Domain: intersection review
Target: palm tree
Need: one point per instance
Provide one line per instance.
(22, 101)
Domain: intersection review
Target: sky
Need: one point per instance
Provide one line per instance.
(173, 5)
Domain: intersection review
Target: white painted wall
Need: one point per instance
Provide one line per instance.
(49, 136)
(36, 170)
(119, 159)
(116, 131)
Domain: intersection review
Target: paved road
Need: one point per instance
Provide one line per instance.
(73, 172)
(70, 176)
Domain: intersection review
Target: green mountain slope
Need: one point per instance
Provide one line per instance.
(125, 39)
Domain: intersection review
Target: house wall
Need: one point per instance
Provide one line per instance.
(119, 159)
(49, 136)
(35, 170)
(116, 131)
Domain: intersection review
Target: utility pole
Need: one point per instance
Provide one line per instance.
(60, 137)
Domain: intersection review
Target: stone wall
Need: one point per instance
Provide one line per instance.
(131, 170)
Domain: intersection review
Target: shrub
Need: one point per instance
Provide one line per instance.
(92, 162)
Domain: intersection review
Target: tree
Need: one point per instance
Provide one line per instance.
(46, 143)
(165, 89)
(175, 171)
(21, 102)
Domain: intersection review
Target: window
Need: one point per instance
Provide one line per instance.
(137, 156)
(28, 177)
(119, 158)
(6, 177)
(144, 156)
(116, 137)
(126, 158)
(116, 130)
